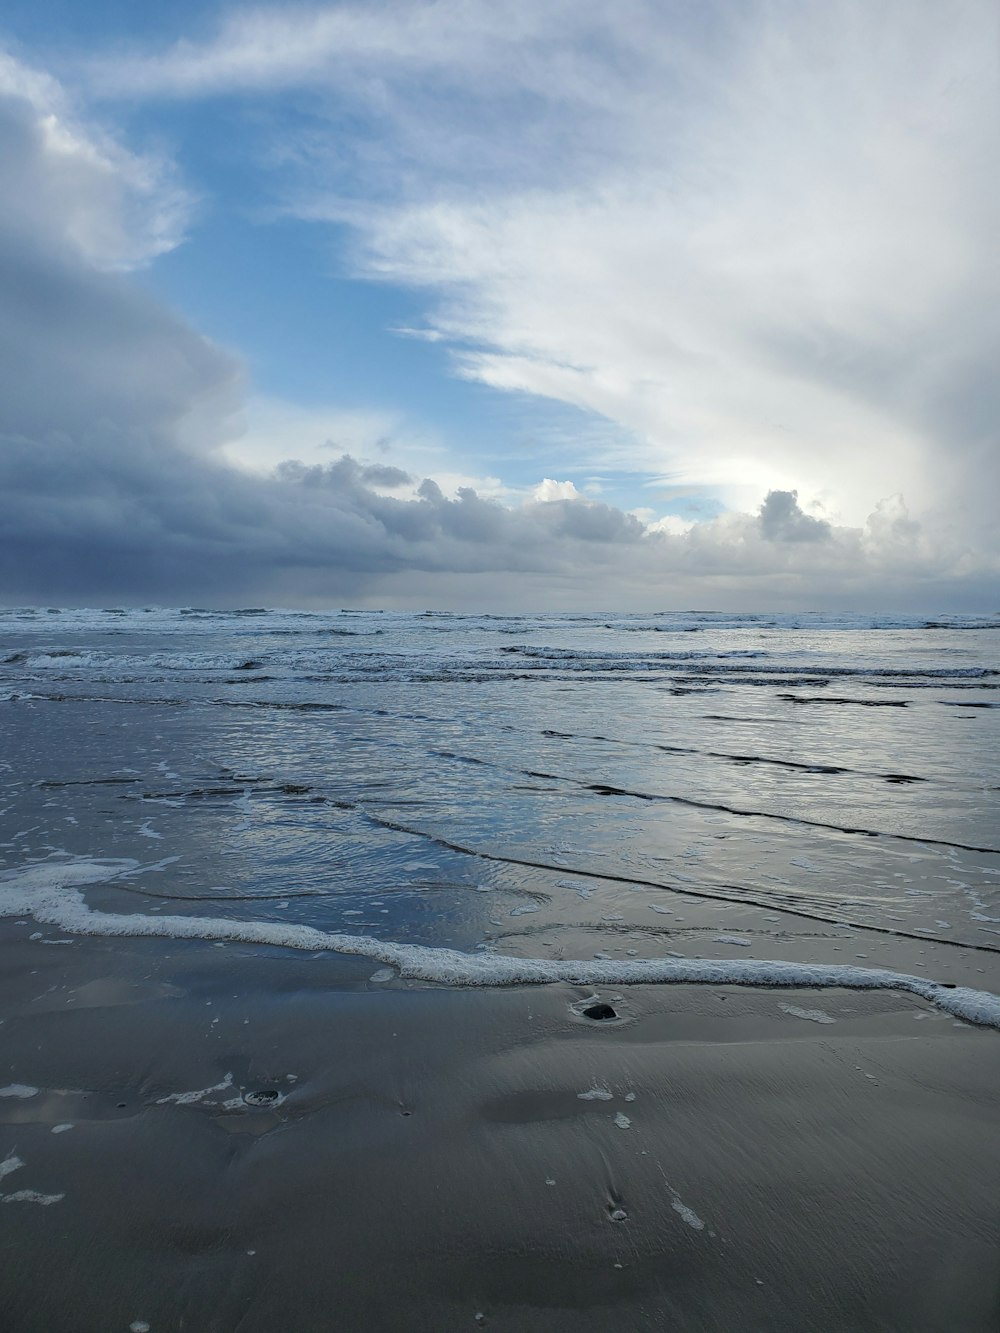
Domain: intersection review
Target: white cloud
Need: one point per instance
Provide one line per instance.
(420, 335)
(275, 431)
(272, 431)
(118, 209)
(758, 236)
(269, 49)
(548, 490)
(670, 524)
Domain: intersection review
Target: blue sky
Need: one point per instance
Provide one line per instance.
(617, 273)
(284, 293)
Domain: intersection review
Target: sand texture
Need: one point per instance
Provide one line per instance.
(714, 1158)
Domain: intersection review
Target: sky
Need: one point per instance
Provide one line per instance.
(520, 306)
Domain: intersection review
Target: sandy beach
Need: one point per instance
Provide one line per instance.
(440, 974)
(214, 1137)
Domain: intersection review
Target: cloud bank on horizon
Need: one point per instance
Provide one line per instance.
(754, 243)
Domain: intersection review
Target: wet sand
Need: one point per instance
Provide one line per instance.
(714, 1158)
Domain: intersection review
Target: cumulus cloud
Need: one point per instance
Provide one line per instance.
(670, 524)
(548, 490)
(271, 430)
(781, 520)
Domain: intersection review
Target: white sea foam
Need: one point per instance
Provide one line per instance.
(14, 1163)
(686, 1213)
(811, 1015)
(10, 1163)
(598, 1093)
(51, 892)
(20, 1090)
(198, 1095)
(31, 1196)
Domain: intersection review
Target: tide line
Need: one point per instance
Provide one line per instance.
(52, 893)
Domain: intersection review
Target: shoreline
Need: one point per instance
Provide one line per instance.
(51, 893)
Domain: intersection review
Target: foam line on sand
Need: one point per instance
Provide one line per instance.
(52, 893)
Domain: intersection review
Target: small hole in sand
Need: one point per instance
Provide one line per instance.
(261, 1097)
(599, 1012)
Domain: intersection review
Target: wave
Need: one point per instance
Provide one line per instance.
(742, 759)
(799, 904)
(52, 893)
(632, 622)
(735, 662)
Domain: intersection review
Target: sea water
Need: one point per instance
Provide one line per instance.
(590, 797)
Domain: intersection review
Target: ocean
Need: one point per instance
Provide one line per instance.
(545, 972)
(584, 786)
